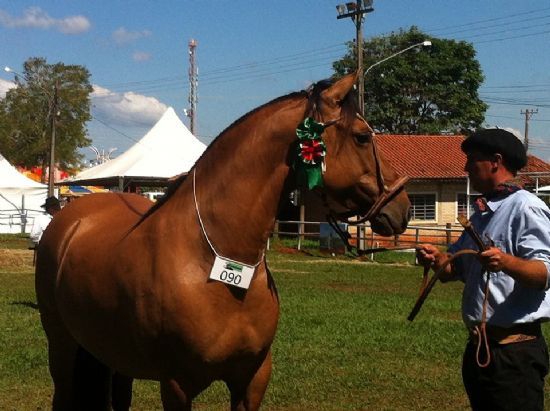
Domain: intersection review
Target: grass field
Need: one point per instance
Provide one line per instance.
(343, 341)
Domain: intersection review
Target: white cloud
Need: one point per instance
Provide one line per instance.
(141, 56)
(5, 86)
(126, 109)
(122, 36)
(35, 17)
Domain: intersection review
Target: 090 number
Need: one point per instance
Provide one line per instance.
(230, 277)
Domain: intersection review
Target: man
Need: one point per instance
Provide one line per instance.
(507, 373)
(51, 206)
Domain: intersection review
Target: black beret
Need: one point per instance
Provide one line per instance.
(497, 140)
(51, 202)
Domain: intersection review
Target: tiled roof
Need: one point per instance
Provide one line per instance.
(433, 157)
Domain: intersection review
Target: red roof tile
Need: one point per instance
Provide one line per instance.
(430, 157)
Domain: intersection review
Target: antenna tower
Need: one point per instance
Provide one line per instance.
(193, 85)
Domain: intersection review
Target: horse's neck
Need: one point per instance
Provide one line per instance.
(239, 182)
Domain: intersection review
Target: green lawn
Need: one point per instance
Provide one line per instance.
(343, 341)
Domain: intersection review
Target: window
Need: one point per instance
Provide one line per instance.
(462, 204)
(422, 206)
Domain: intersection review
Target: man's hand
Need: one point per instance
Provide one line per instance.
(493, 259)
(428, 254)
(531, 273)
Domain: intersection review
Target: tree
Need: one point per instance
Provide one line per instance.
(428, 91)
(28, 109)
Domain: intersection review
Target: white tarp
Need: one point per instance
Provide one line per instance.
(20, 199)
(166, 150)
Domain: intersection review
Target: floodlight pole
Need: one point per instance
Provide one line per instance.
(356, 12)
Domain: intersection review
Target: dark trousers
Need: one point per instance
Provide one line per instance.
(513, 381)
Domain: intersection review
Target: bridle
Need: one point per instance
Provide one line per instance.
(386, 193)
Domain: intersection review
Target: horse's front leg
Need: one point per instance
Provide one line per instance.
(248, 397)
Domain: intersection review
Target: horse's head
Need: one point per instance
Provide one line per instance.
(356, 178)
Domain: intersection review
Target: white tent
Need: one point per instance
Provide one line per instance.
(20, 199)
(166, 150)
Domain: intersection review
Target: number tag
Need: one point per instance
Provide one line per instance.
(232, 272)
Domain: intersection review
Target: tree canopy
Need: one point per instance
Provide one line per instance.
(27, 109)
(428, 90)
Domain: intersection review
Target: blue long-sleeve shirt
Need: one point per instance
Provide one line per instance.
(519, 225)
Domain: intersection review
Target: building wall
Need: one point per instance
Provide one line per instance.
(446, 200)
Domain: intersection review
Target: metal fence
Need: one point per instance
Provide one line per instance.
(16, 221)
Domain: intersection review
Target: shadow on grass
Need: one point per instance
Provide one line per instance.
(26, 304)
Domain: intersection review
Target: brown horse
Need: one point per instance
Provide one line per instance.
(125, 289)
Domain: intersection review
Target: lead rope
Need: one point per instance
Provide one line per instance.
(481, 329)
(203, 230)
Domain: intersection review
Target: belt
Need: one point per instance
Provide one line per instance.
(514, 334)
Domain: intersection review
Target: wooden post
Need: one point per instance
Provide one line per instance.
(448, 233)
(301, 225)
(276, 230)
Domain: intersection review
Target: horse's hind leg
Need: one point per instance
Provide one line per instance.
(62, 351)
(121, 392)
(248, 397)
(92, 383)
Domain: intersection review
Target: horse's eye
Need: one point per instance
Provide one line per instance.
(363, 138)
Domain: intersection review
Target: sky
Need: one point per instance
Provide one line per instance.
(249, 52)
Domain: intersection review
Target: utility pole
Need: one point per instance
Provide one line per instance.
(53, 113)
(528, 114)
(193, 84)
(356, 11)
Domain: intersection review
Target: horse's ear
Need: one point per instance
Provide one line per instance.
(340, 89)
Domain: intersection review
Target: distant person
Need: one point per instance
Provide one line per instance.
(51, 207)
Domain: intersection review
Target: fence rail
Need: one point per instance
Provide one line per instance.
(365, 238)
(15, 221)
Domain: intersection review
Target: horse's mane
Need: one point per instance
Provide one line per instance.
(313, 94)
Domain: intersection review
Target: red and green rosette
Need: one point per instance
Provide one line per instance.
(311, 154)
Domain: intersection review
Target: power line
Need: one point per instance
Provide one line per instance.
(297, 58)
(513, 37)
(116, 130)
(499, 25)
(508, 16)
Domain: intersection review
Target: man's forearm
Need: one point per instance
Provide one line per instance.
(530, 273)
